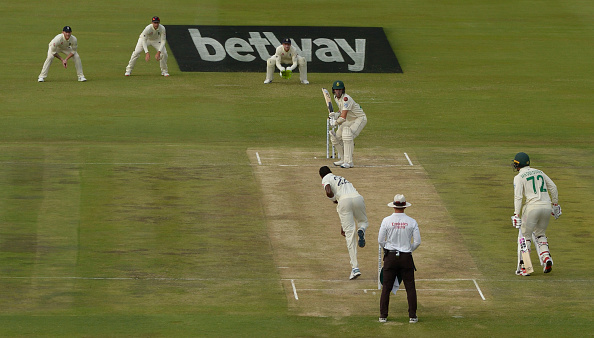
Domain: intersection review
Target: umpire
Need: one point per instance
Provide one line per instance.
(395, 236)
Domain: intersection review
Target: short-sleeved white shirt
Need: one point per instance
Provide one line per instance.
(339, 185)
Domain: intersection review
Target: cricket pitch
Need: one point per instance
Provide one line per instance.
(311, 255)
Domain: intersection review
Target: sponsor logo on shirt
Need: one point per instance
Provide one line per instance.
(399, 225)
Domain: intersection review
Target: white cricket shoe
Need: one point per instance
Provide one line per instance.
(413, 320)
(522, 272)
(267, 81)
(128, 72)
(40, 79)
(355, 273)
(339, 163)
(548, 265)
(347, 165)
(82, 79)
(383, 320)
(305, 82)
(165, 74)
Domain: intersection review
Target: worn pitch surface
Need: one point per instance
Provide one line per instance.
(311, 255)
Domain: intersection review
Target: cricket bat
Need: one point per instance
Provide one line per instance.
(525, 254)
(328, 99)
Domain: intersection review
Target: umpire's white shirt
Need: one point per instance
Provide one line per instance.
(396, 232)
(340, 186)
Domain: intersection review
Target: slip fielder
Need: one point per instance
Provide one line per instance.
(535, 186)
(67, 44)
(286, 54)
(350, 119)
(154, 35)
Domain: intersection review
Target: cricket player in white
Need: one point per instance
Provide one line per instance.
(286, 54)
(67, 44)
(535, 186)
(351, 210)
(154, 35)
(351, 119)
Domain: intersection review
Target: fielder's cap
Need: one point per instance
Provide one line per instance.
(399, 202)
(67, 29)
(156, 19)
(287, 40)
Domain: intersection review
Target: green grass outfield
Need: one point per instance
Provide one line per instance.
(128, 206)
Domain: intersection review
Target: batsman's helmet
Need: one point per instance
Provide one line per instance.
(520, 161)
(338, 85)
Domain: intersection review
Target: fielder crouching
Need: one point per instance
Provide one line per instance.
(286, 54)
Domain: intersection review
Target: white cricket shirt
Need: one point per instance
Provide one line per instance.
(345, 102)
(60, 44)
(396, 233)
(340, 186)
(535, 185)
(289, 57)
(149, 33)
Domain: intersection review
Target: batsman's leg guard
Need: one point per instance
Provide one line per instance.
(270, 64)
(542, 246)
(349, 144)
(302, 68)
(337, 143)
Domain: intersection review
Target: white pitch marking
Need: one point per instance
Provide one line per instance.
(258, 157)
(405, 154)
(478, 289)
(294, 289)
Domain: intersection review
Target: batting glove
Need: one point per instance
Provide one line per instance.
(516, 221)
(334, 115)
(556, 211)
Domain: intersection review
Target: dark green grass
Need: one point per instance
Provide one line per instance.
(145, 179)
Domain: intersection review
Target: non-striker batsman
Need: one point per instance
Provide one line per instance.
(535, 186)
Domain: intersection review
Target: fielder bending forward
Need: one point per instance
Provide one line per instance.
(286, 54)
(67, 44)
(154, 35)
(351, 120)
(535, 185)
(395, 236)
(351, 210)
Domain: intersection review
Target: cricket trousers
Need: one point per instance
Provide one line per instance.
(393, 265)
(351, 210)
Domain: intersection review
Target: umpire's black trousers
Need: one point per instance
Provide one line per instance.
(399, 265)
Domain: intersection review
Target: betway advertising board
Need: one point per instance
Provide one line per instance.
(246, 48)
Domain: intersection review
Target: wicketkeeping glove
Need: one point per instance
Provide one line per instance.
(516, 221)
(556, 211)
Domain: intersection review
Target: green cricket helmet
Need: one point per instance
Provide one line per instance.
(520, 161)
(338, 85)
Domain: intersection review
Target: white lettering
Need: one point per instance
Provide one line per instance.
(260, 43)
(236, 45)
(357, 56)
(201, 44)
(330, 53)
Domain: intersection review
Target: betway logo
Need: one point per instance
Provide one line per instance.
(202, 48)
(326, 50)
